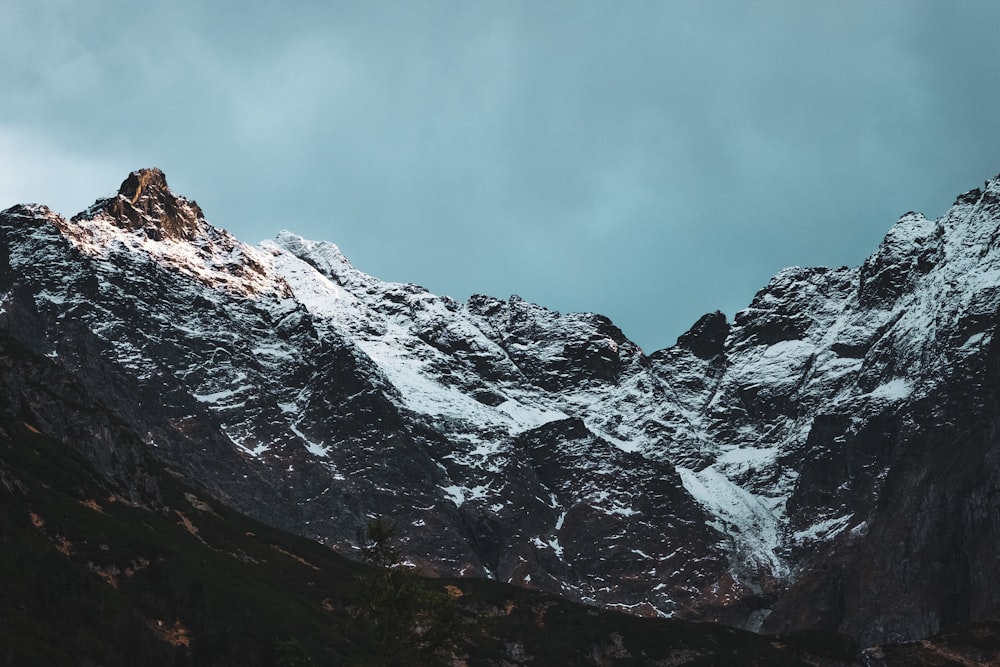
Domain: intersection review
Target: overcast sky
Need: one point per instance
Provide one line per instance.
(651, 161)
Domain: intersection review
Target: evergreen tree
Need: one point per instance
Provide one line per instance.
(291, 653)
(405, 620)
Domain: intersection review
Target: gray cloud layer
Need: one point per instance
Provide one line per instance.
(648, 160)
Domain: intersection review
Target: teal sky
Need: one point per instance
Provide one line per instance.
(651, 161)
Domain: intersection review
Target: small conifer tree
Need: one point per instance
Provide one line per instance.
(291, 653)
(405, 620)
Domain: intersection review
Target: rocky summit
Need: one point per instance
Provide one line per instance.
(827, 460)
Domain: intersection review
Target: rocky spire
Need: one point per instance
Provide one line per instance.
(144, 201)
(707, 337)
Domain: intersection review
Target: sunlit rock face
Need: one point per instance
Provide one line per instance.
(826, 459)
(145, 202)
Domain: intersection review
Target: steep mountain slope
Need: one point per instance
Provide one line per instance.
(107, 558)
(826, 460)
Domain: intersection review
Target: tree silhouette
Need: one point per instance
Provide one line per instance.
(291, 653)
(405, 620)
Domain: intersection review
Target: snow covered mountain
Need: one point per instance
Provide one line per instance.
(829, 459)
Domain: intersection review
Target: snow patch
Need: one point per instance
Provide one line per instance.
(897, 389)
(823, 530)
(742, 515)
(316, 448)
(454, 493)
(219, 396)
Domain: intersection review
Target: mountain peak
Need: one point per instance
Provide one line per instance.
(151, 179)
(145, 201)
(707, 337)
(146, 217)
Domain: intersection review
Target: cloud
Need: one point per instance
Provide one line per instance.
(35, 171)
(651, 161)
